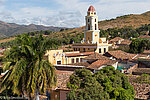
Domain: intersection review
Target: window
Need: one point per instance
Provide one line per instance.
(72, 60)
(88, 20)
(95, 27)
(104, 50)
(81, 59)
(94, 13)
(94, 50)
(79, 49)
(88, 27)
(83, 49)
(88, 48)
(58, 62)
(74, 49)
(77, 60)
(99, 50)
(95, 20)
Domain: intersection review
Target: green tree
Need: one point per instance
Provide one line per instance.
(106, 84)
(139, 45)
(27, 71)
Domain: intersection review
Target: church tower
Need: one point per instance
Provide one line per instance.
(92, 41)
(91, 34)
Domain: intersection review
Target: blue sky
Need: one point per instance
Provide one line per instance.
(66, 13)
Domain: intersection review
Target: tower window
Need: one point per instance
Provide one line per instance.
(95, 27)
(104, 50)
(95, 20)
(88, 27)
(88, 20)
(95, 13)
(99, 50)
(83, 49)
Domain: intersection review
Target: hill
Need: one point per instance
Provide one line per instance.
(132, 20)
(11, 29)
(135, 21)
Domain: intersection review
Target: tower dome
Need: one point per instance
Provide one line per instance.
(91, 8)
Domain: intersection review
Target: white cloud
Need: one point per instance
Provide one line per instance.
(71, 13)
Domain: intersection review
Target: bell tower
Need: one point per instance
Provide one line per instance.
(91, 34)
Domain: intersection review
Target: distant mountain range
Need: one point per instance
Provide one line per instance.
(11, 29)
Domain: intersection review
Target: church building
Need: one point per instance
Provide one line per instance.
(92, 41)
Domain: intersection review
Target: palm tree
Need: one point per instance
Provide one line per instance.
(27, 73)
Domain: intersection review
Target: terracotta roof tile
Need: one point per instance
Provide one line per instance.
(147, 51)
(96, 56)
(121, 54)
(97, 64)
(63, 78)
(116, 39)
(91, 8)
(86, 64)
(78, 54)
(144, 36)
(126, 42)
(142, 70)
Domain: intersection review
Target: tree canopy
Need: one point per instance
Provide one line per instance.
(106, 84)
(27, 73)
(139, 45)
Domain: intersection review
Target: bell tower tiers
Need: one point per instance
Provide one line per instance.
(91, 34)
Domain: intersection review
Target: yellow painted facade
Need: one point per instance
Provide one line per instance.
(56, 57)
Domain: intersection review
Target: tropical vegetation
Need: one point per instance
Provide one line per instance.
(106, 84)
(27, 72)
(139, 45)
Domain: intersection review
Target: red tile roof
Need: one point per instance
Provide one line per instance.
(86, 64)
(97, 64)
(63, 78)
(96, 56)
(147, 51)
(144, 36)
(126, 42)
(78, 54)
(91, 8)
(116, 39)
(121, 54)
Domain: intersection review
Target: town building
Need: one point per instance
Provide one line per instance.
(58, 57)
(92, 41)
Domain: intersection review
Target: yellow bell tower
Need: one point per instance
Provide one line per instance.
(92, 42)
(91, 34)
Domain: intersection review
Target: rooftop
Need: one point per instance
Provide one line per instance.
(96, 56)
(116, 39)
(126, 42)
(63, 78)
(78, 54)
(142, 70)
(144, 36)
(91, 8)
(121, 54)
(97, 64)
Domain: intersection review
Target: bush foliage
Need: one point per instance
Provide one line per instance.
(107, 84)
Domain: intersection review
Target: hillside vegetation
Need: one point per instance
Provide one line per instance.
(131, 20)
